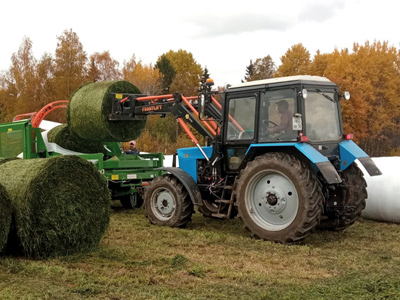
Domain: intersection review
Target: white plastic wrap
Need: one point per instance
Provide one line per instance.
(168, 159)
(48, 125)
(383, 202)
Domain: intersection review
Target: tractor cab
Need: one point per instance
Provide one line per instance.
(280, 111)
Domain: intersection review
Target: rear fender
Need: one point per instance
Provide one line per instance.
(350, 151)
(187, 181)
(317, 160)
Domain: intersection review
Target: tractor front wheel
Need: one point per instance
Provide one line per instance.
(167, 202)
(278, 198)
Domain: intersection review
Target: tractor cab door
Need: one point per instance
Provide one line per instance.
(240, 126)
(264, 116)
(278, 115)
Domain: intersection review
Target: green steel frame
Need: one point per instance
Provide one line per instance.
(126, 174)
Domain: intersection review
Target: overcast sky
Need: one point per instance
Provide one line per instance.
(222, 35)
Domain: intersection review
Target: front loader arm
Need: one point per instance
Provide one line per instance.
(130, 107)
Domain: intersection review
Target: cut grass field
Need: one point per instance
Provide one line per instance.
(213, 259)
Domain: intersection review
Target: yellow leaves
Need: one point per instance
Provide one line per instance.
(371, 74)
(145, 77)
(296, 61)
(188, 72)
(103, 67)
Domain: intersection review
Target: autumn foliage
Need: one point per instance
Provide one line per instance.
(370, 72)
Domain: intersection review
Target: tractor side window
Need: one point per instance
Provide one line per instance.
(241, 119)
(322, 116)
(277, 109)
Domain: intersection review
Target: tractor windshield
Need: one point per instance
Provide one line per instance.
(322, 116)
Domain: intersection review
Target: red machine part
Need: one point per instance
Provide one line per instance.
(185, 100)
(38, 117)
(41, 114)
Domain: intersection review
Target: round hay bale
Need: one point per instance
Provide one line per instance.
(62, 136)
(88, 111)
(5, 217)
(60, 205)
(6, 159)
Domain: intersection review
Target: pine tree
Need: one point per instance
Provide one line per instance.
(168, 72)
(249, 71)
(204, 78)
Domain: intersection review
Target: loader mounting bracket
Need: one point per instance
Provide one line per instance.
(123, 107)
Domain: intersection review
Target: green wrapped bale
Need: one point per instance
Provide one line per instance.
(62, 136)
(88, 111)
(5, 217)
(60, 205)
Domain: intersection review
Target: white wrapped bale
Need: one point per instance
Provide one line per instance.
(383, 202)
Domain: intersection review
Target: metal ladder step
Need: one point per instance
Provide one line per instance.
(220, 216)
(223, 201)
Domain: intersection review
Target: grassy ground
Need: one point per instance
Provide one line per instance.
(213, 259)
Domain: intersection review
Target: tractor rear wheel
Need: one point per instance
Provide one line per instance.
(279, 198)
(131, 201)
(355, 200)
(167, 202)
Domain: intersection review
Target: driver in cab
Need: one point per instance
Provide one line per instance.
(286, 118)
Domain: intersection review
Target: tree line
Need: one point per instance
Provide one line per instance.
(370, 72)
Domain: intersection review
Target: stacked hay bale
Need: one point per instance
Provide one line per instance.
(62, 136)
(87, 115)
(60, 205)
(88, 111)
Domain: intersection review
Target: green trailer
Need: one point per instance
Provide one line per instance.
(126, 175)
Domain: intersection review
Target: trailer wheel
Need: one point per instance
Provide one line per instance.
(279, 198)
(131, 201)
(355, 198)
(167, 202)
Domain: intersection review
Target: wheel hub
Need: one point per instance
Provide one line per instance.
(272, 199)
(165, 203)
(275, 200)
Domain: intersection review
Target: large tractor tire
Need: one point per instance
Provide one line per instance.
(279, 198)
(167, 202)
(355, 198)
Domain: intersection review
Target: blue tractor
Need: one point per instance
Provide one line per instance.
(276, 156)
